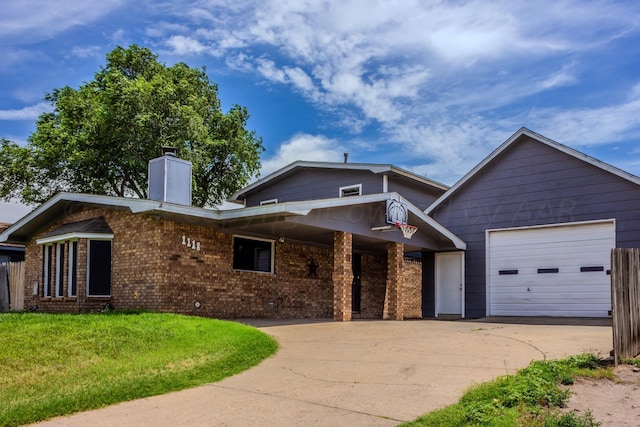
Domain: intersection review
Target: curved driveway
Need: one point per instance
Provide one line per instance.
(360, 373)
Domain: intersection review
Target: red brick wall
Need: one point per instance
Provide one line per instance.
(412, 288)
(152, 270)
(373, 277)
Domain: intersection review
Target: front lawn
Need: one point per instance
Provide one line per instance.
(56, 364)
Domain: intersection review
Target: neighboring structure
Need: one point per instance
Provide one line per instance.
(10, 252)
(527, 232)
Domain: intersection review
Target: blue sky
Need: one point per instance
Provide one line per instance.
(430, 86)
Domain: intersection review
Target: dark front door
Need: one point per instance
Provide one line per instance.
(356, 285)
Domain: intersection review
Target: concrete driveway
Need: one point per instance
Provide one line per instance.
(361, 373)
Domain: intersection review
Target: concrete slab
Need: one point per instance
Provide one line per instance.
(360, 373)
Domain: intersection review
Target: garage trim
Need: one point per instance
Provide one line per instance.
(611, 221)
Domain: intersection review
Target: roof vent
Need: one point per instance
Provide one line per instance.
(346, 157)
(170, 178)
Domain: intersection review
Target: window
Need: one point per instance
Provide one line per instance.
(253, 254)
(47, 255)
(60, 269)
(73, 270)
(269, 202)
(99, 268)
(351, 190)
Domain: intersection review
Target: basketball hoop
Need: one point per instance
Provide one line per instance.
(407, 230)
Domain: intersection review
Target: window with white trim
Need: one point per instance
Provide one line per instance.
(351, 190)
(60, 269)
(269, 202)
(251, 254)
(47, 262)
(99, 268)
(72, 270)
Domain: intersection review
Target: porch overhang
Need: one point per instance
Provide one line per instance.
(314, 222)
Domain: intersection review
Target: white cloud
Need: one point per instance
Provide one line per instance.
(32, 20)
(182, 45)
(87, 52)
(303, 147)
(591, 126)
(27, 113)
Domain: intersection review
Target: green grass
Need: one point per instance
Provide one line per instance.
(528, 398)
(56, 364)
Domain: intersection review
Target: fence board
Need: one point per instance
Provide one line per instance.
(625, 298)
(16, 285)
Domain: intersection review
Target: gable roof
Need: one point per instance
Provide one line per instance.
(371, 167)
(542, 139)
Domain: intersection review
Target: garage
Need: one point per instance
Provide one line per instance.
(555, 270)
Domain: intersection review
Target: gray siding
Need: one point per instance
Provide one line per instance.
(534, 184)
(311, 184)
(420, 195)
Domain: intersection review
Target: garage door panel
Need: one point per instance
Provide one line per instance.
(558, 289)
(535, 249)
(566, 248)
(548, 310)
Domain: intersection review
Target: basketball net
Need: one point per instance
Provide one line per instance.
(407, 230)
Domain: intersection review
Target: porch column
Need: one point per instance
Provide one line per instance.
(393, 296)
(342, 275)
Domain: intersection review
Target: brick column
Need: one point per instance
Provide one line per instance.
(393, 304)
(342, 275)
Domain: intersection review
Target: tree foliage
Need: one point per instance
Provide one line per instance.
(99, 138)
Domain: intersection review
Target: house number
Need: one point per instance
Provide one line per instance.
(190, 243)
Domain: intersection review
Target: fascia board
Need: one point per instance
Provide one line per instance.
(302, 207)
(75, 236)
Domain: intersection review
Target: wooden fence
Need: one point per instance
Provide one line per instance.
(12, 286)
(625, 298)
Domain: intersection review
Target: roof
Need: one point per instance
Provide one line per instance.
(371, 167)
(542, 139)
(63, 203)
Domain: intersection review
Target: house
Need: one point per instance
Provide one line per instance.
(330, 256)
(528, 231)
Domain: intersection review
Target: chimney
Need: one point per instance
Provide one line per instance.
(346, 157)
(170, 178)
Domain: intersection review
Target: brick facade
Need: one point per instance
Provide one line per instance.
(152, 268)
(412, 288)
(393, 305)
(342, 275)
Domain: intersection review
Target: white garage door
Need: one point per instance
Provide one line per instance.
(550, 271)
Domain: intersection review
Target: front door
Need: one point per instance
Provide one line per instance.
(356, 285)
(449, 283)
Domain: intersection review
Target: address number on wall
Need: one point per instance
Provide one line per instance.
(191, 243)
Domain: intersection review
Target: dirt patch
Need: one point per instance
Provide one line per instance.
(612, 403)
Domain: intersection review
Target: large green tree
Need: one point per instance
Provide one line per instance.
(100, 137)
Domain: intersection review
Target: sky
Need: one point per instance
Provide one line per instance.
(429, 86)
